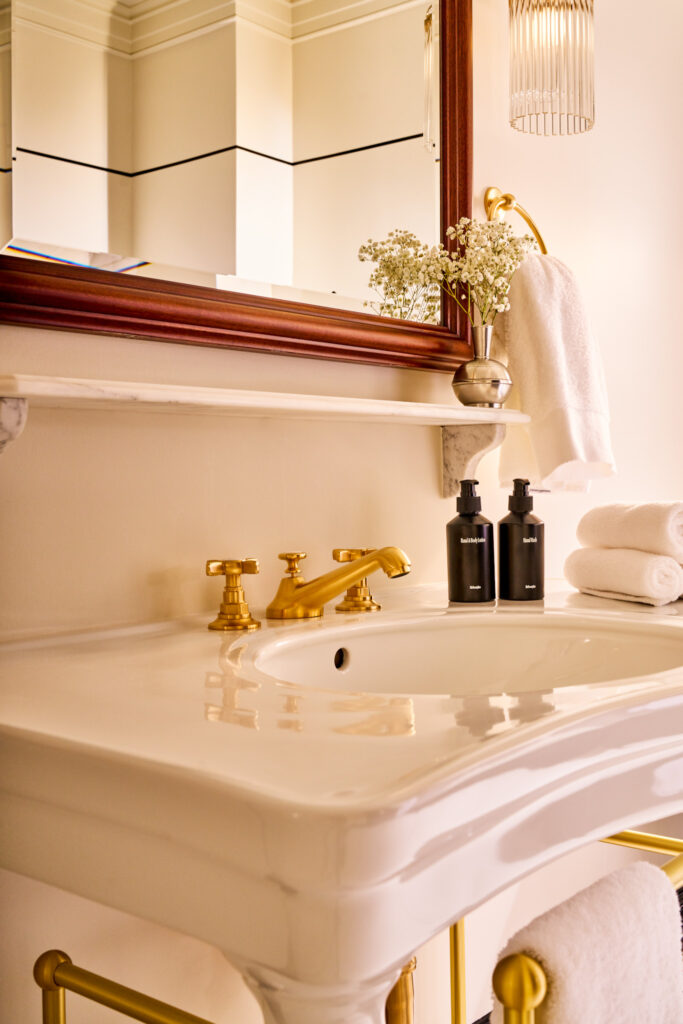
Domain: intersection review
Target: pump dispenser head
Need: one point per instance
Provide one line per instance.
(520, 500)
(468, 502)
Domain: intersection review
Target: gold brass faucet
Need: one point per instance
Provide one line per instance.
(358, 597)
(297, 599)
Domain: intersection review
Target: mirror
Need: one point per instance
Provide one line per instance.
(322, 163)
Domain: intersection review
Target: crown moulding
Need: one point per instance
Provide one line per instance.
(131, 29)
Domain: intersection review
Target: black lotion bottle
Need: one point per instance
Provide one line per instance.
(520, 548)
(469, 538)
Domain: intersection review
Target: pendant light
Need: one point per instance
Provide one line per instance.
(551, 66)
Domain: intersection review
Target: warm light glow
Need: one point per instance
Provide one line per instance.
(551, 66)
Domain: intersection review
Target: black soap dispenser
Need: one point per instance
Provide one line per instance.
(469, 539)
(520, 548)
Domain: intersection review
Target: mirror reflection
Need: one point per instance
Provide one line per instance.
(252, 147)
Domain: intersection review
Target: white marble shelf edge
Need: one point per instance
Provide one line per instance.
(467, 433)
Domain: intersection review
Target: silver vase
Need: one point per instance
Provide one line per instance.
(482, 381)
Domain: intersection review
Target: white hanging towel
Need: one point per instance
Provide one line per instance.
(655, 526)
(558, 381)
(611, 953)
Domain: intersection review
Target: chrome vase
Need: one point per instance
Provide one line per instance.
(482, 381)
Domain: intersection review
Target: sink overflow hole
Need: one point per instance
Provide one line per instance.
(341, 658)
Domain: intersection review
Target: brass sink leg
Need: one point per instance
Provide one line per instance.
(399, 1008)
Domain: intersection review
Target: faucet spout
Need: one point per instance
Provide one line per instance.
(297, 599)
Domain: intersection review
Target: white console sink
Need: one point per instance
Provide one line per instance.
(319, 823)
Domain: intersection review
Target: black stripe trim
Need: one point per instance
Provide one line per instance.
(77, 163)
(358, 149)
(217, 152)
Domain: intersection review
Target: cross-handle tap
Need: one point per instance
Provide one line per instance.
(297, 599)
(234, 611)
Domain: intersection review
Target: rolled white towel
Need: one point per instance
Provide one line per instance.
(625, 575)
(611, 953)
(654, 526)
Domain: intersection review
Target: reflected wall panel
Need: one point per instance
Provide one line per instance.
(184, 98)
(185, 215)
(340, 203)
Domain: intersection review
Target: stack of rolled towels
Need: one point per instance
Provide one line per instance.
(630, 553)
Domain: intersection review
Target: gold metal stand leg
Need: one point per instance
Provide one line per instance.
(458, 1005)
(54, 996)
(399, 1008)
(54, 1007)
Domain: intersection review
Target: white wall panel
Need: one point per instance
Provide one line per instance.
(70, 98)
(67, 205)
(263, 212)
(185, 99)
(263, 73)
(359, 85)
(185, 215)
(340, 203)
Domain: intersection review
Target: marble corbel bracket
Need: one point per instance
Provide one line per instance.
(463, 447)
(13, 416)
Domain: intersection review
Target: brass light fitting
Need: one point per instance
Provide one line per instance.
(358, 597)
(234, 611)
(297, 599)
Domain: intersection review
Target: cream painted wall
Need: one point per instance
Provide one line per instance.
(117, 512)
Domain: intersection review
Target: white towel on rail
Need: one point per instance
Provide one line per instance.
(624, 574)
(558, 380)
(655, 526)
(611, 953)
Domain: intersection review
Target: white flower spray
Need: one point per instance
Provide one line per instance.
(410, 275)
(407, 276)
(481, 267)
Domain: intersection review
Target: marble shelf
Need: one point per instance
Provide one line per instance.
(467, 433)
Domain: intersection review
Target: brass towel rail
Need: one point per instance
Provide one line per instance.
(55, 973)
(496, 202)
(520, 982)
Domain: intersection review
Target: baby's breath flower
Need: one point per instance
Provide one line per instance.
(409, 275)
(485, 257)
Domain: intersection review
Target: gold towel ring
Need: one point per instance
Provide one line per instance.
(495, 202)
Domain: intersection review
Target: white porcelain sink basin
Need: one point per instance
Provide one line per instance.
(456, 654)
(318, 800)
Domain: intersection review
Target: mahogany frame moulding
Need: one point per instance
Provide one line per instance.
(49, 295)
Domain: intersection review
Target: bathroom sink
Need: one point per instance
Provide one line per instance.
(463, 654)
(319, 799)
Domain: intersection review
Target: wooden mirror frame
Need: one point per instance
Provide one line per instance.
(43, 294)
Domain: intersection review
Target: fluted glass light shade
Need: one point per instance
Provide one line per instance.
(551, 66)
